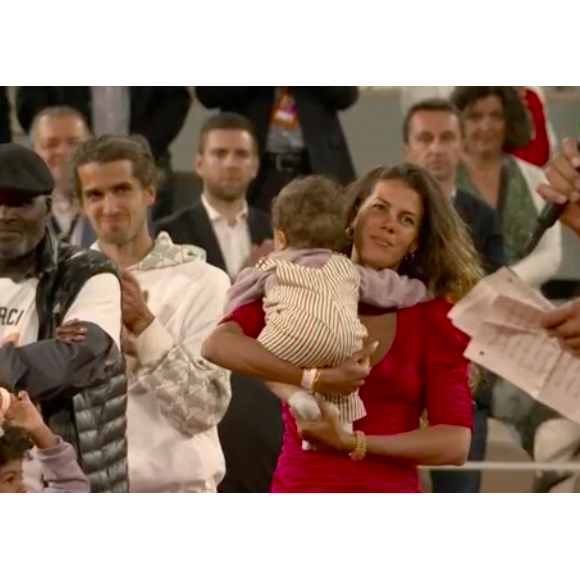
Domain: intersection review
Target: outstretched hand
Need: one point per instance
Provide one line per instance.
(564, 324)
(5, 403)
(24, 415)
(563, 183)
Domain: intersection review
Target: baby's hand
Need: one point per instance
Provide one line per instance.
(24, 415)
(5, 402)
(13, 339)
(305, 406)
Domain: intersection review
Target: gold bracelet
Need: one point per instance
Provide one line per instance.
(360, 451)
(316, 381)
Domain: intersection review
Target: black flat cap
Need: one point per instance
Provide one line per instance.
(22, 170)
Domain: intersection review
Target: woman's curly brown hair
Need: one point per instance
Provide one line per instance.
(518, 130)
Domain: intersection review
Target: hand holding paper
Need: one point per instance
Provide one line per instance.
(503, 317)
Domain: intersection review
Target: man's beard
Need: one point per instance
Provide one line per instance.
(228, 194)
(22, 251)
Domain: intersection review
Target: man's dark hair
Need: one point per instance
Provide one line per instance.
(226, 122)
(111, 148)
(434, 105)
(312, 213)
(518, 126)
(14, 445)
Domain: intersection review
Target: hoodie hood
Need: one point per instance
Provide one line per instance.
(166, 254)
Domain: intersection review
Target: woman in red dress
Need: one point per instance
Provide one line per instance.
(400, 220)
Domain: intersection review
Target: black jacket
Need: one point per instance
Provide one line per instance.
(192, 226)
(251, 437)
(318, 109)
(485, 228)
(5, 129)
(157, 113)
(84, 396)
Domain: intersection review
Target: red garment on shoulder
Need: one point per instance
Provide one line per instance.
(425, 369)
(537, 151)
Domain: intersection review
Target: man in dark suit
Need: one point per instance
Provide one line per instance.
(5, 125)
(232, 233)
(433, 139)
(156, 113)
(298, 131)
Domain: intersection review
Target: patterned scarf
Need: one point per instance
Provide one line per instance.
(517, 210)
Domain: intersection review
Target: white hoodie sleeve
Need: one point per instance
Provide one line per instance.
(192, 393)
(544, 263)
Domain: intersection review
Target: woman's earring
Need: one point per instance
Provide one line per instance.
(410, 257)
(350, 234)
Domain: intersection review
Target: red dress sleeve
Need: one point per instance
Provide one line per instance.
(250, 318)
(448, 396)
(537, 152)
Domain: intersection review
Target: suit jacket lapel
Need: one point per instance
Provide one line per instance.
(259, 232)
(462, 205)
(204, 232)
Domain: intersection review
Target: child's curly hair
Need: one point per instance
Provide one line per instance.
(312, 212)
(14, 445)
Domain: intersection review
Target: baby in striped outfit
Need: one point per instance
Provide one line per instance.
(311, 292)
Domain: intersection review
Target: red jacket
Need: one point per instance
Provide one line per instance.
(537, 152)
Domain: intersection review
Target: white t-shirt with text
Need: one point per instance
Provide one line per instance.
(98, 302)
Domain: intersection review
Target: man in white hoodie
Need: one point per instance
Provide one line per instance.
(172, 299)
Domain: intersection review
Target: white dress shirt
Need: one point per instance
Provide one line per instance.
(67, 219)
(111, 110)
(235, 241)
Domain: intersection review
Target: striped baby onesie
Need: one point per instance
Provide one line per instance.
(312, 319)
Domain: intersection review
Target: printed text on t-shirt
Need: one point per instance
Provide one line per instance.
(10, 316)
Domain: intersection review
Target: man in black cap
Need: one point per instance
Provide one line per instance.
(80, 386)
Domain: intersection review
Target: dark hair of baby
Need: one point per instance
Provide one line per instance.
(312, 213)
(14, 445)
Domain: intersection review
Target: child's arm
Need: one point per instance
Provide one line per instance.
(60, 469)
(284, 392)
(249, 287)
(300, 401)
(387, 289)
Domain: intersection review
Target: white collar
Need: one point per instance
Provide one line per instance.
(215, 216)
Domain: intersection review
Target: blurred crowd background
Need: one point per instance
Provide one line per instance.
(373, 131)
